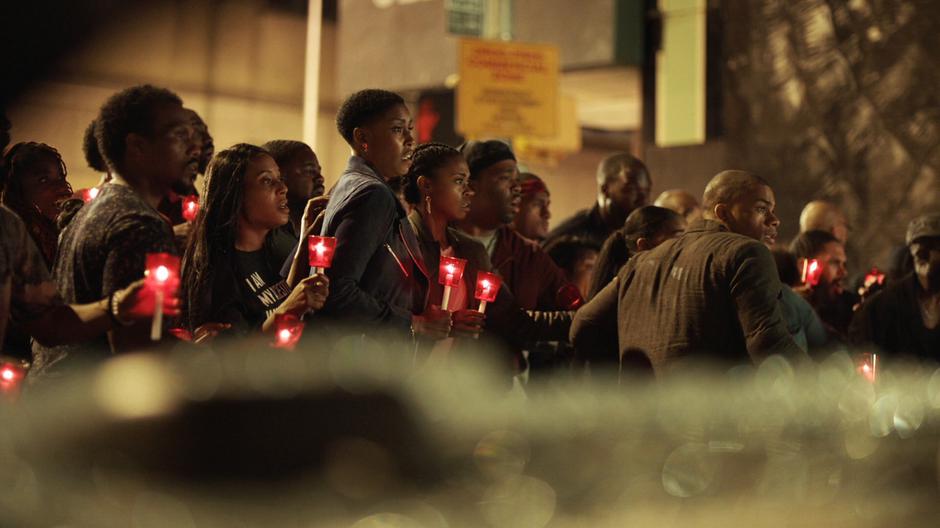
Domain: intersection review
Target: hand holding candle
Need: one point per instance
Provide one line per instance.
(487, 287)
(162, 280)
(320, 250)
(287, 330)
(190, 207)
(449, 275)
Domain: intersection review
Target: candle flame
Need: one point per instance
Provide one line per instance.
(485, 283)
(320, 248)
(7, 374)
(284, 335)
(162, 273)
(450, 269)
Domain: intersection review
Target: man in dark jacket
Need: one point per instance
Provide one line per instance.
(711, 294)
(904, 318)
(623, 184)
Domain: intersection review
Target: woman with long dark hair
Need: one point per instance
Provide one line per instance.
(229, 275)
(34, 187)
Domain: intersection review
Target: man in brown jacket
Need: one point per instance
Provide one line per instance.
(710, 295)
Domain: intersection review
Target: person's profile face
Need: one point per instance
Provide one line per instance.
(302, 174)
(498, 190)
(833, 260)
(532, 219)
(389, 142)
(926, 254)
(173, 151)
(265, 199)
(752, 215)
(450, 193)
(629, 189)
(45, 187)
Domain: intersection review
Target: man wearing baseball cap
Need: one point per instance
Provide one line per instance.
(904, 318)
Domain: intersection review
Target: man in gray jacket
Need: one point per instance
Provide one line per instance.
(709, 295)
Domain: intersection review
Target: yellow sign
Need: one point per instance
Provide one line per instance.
(565, 141)
(507, 89)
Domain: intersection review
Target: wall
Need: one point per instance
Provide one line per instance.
(838, 100)
(236, 62)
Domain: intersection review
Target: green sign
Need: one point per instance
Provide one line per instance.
(465, 17)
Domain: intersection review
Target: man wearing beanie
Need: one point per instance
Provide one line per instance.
(535, 281)
(904, 318)
(532, 219)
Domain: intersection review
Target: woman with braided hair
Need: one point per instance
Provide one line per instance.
(437, 186)
(34, 187)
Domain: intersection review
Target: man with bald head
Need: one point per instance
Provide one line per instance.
(623, 184)
(820, 215)
(711, 294)
(682, 202)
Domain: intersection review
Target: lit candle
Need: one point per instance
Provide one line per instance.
(320, 249)
(874, 277)
(450, 275)
(162, 277)
(868, 367)
(10, 376)
(812, 272)
(487, 287)
(190, 207)
(90, 194)
(287, 331)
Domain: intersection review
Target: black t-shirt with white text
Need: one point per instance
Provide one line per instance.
(261, 287)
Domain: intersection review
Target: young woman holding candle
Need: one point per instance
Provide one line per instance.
(229, 274)
(437, 185)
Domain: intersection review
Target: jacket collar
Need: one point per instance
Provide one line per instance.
(707, 226)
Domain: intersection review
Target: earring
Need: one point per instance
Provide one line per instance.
(365, 147)
(427, 204)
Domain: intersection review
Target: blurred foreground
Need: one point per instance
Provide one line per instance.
(356, 437)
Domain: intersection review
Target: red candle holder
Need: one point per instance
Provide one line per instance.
(868, 367)
(12, 373)
(450, 274)
(287, 331)
(90, 194)
(163, 279)
(487, 287)
(320, 250)
(568, 297)
(190, 206)
(875, 276)
(451, 271)
(812, 272)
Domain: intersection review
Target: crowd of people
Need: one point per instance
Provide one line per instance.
(622, 284)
